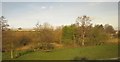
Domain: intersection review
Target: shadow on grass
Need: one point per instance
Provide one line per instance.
(23, 53)
(80, 58)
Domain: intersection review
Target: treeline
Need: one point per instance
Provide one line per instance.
(46, 37)
(97, 35)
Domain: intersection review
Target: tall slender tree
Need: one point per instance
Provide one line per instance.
(84, 21)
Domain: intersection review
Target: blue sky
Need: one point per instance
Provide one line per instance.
(26, 15)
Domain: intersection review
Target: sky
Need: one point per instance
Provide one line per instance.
(27, 14)
(60, 0)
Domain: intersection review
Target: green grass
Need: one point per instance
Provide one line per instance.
(90, 52)
(0, 56)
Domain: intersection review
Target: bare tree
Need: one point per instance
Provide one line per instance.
(3, 23)
(4, 27)
(45, 34)
(58, 35)
(84, 21)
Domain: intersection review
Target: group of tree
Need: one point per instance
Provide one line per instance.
(84, 33)
(45, 37)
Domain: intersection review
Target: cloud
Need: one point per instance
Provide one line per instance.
(43, 7)
(50, 7)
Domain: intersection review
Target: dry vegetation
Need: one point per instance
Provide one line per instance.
(46, 38)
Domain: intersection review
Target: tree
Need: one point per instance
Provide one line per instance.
(68, 34)
(98, 35)
(3, 23)
(8, 39)
(45, 34)
(84, 21)
(118, 34)
(58, 35)
(4, 26)
(20, 28)
(109, 29)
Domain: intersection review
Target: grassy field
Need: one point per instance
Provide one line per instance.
(0, 56)
(90, 52)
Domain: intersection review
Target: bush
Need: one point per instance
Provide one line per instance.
(50, 46)
(46, 46)
(24, 40)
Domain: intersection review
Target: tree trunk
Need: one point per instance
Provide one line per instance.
(60, 41)
(74, 40)
(11, 54)
(83, 41)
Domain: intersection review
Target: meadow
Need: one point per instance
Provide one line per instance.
(89, 52)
